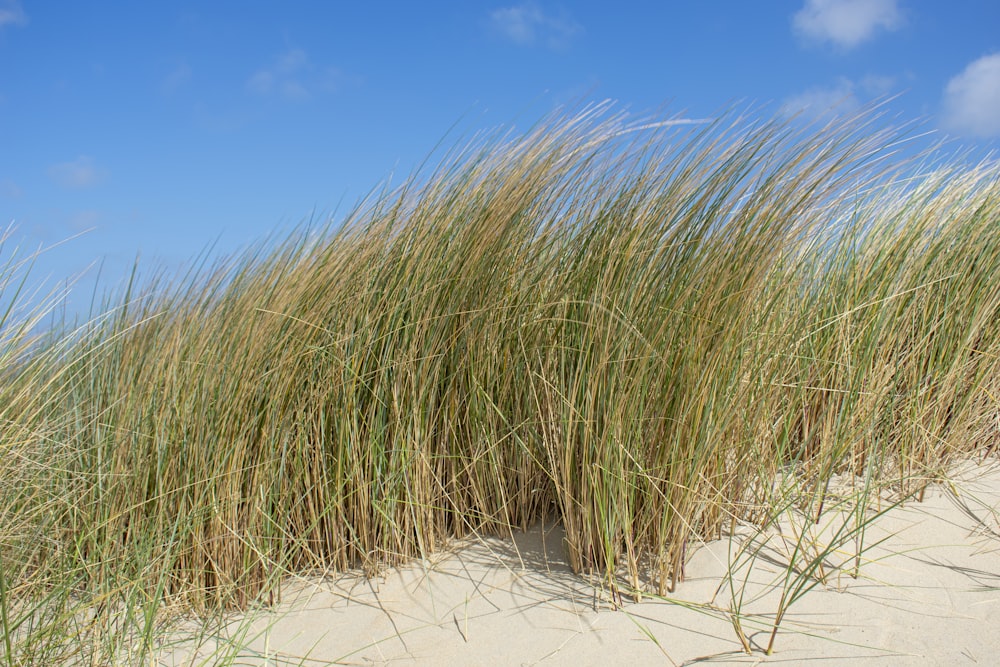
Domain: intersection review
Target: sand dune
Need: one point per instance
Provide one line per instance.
(928, 592)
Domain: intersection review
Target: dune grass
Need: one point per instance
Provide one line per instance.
(635, 328)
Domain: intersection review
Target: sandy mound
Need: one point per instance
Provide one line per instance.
(928, 592)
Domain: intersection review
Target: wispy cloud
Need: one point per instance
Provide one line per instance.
(877, 85)
(823, 101)
(11, 13)
(972, 99)
(85, 220)
(293, 76)
(844, 97)
(10, 189)
(77, 174)
(175, 79)
(528, 24)
(846, 23)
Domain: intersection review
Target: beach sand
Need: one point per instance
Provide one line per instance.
(928, 593)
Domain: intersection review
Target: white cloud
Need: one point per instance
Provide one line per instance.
(11, 13)
(846, 23)
(80, 173)
(528, 24)
(292, 75)
(972, 99)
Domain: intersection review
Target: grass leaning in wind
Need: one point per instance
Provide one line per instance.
(635, 331)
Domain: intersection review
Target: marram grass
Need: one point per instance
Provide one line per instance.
(635, 329)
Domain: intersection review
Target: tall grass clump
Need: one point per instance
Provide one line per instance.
(636, 328)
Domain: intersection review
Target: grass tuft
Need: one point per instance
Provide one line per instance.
(639, 329)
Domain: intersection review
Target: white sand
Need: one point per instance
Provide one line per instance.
(929, 594)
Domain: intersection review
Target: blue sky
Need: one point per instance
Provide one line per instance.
(159, 128)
